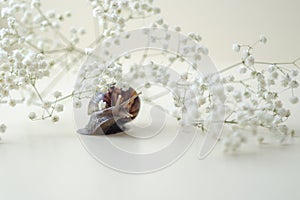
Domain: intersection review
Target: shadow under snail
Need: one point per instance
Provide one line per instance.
(121, 107)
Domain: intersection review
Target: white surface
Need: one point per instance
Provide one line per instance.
(42, 161)
(45, 161)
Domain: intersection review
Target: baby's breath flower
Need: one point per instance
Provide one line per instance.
(260, 139)
(242, 69)
(77, 104)
(59, 108)
(46, 105)
(245, 54)
(2, 128)
(177, 28)
(229, 88)
(68, 14)
(249, 61)
(274, 74)
(35, 3)
(88, 51)
(28, 54)
(263, 39)
(236, 47)
(271, 68)
(32, 115)
(55, 118)
(284, 112)
(294, 99)
(294, 84)
(57, 94)
(12, 102)
(295, 73)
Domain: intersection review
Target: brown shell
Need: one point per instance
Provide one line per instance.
(121, 107)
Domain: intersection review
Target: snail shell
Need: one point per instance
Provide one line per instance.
(121, 107)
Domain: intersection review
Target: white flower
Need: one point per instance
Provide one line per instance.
(229, 88)
(247, 94)
(147, 85)
(77, 104)
(269, 96)
(5, 93)
(2, 128)
(59, 107)
(237, 96)
(263, 39)
(201, 101)
(68, 14)
(51, 14)
(218, 91)
(260, 139)
(271, 68)
(11, 22)
(236, 47)
(46, 105)
(283, 128)
(191, 35)
(242, 69)
(294, 100)
(57, 94)
(12, 103)
(284, 112)
(156, 10)
(177, 28)
(295, 73)
(160, 21)
(274, 74)
(5, 12)
(245, 54)
(226, 142)
(277, 120)
(55, 118)
(261, 115)
(278, 104)
(32, 115)
(249, 61)
(117, 42)
(286, 80)
(294, 84)
(270, 82)
(204, 50)
(5, 67)
(35, 3)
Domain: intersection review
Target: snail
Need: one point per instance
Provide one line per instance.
(121, 107)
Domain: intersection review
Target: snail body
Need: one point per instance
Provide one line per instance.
(120, 107)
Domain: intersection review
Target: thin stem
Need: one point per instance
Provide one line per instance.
(54, 29)
(270, 63)
(37, 92)
(73, 94)
(40, 97)
(296, 60)
(255, 43)
(228, 68)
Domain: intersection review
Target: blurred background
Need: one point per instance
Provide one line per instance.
(40, 160)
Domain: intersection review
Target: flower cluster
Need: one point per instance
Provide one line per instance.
(254, 97)
(29, 54)
(113, 15)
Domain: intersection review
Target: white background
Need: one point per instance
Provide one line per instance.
(39, 160)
